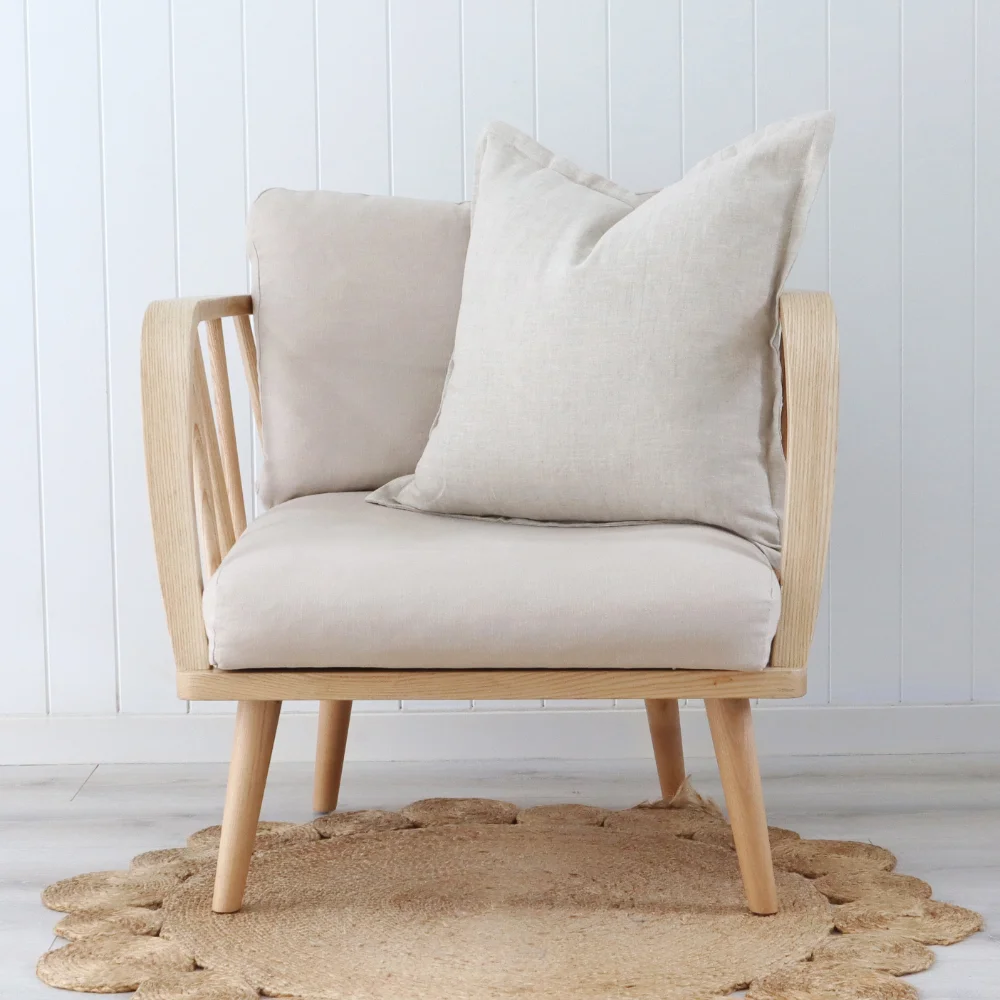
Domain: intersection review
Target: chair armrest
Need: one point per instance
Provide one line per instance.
(178, 428)
(811, 371)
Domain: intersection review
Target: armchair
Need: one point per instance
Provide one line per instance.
(198, 515)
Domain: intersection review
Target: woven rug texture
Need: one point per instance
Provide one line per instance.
(465, 899)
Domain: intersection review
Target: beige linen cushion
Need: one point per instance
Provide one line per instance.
(355, 300)
(332, 581)
(616, 357)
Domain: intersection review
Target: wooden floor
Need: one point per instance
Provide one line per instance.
(939, 814)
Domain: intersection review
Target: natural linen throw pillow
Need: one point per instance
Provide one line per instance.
(616, 357)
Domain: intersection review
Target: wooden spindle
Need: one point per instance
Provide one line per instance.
(248, 351)
(226, 426)
(205, 506)
(220, 497)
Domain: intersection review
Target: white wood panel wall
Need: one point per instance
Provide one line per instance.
(135, 135)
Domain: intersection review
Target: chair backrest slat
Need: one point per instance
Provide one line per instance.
(248, 351)
(223, 404)
(217, 480)
(204, 504)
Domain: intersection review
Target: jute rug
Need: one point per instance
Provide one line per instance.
(463, 899)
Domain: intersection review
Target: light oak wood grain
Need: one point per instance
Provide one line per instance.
(208, 533)
(664, 719)
(811, 380)
(331, 743)
(206, 428)
(223, 403)
(256, 724)
(248, 352)
(736, 753)
(169, 337)
(307, 685)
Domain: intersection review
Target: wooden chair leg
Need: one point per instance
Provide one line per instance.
(732, 734)
(668, 750)
(256, 723)
(331, 742)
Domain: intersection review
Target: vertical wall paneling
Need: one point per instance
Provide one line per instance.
(280, 95)
(718, 79)
(644, 92)
(63, 61)
(426, 99)
(137, 134)
(791, 71)
(211, 178)
(22, 618)
(865, 203)
(139, 217)
(571, 60)
(499, 70)
(938, 260)
(353, 96)
(986, 578)
(210, 166)
(791, 79)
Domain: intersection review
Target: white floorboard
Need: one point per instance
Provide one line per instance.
(939, 814)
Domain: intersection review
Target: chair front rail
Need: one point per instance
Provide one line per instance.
(484, 685)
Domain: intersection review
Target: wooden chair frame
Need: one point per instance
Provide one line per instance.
(198, 510)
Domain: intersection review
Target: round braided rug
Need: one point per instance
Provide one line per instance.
(462, 899)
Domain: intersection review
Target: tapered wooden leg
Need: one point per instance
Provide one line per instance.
(256, 723)
(732, 734)
(331, 742)
(668, 750)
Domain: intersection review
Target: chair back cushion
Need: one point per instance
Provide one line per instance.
(355, 301)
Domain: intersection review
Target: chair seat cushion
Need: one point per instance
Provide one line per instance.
(332, 581)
